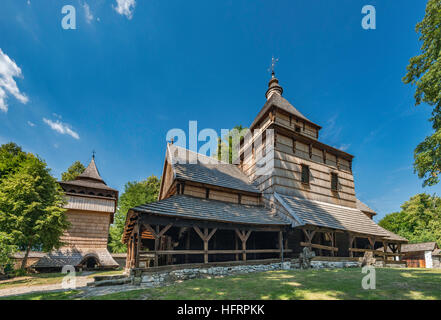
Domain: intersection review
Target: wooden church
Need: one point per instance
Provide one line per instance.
(287, 191)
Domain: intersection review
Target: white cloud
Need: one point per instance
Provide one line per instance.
(63, 128)
(125, 7)
(344, 146)
(9, 70)
(87, 12)
(31, 124)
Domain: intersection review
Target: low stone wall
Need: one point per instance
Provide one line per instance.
(160, 278)
(318, 264)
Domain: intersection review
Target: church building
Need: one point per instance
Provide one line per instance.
(287, 191)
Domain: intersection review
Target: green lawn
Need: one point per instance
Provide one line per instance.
(293, 284)
(60, 295)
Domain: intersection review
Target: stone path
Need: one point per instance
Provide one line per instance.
(81, 284)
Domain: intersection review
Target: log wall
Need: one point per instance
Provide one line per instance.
(88, 229)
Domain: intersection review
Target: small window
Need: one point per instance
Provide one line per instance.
(298, 129)
(207, 193)
(334, 181)
(305, 174)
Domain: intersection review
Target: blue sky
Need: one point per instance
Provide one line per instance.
(119, 81)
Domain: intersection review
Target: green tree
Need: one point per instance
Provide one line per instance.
(135, 194)
(31, 207)
(229, 144)
(11, 157)
(6, 250)
(74, 171)
(424, 71)
(419, 219)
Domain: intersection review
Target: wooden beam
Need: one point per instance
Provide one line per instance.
(164, 230)
(318, 246)
(199, 232)
(189, 252)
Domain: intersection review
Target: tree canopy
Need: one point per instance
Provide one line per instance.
(419, 219)
(424, 71)
(135, 193)
(31, 202)
(11, 157)
(73, 171)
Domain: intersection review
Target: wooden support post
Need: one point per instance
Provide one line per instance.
(157, 234)
(372, 242)
(236, 245)
(187, 244)
(129, 247)
(332, 237)
(385, 251)
(138, 246)
(243, 236)
(399, 251)
(132, 256)
(205, 238)
(351, 244)
(156, 263)
(281, 244)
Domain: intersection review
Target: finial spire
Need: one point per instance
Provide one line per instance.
(273, 85)
(93, 154)
(273, 65)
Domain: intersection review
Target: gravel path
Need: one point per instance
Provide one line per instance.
(81, 284)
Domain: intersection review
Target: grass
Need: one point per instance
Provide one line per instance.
(335, 284)
(59, 295)
(331, 284)
(38, 279)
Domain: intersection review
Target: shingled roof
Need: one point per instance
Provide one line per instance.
(393, 236)
(90, 178)
(278, 101)
(363, 207)
(414, 247)
(74, 257)
(91, 172)
(192, 166)
(321, 214)
(183, 206)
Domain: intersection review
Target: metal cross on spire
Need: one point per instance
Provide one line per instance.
(93, 154)
(273, 64)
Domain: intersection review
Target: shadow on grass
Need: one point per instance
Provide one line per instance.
(391, 284)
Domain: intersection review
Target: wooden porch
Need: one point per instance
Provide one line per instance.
(155, 241)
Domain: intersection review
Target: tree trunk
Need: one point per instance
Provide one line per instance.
(25, 258)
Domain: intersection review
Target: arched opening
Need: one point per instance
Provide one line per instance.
(90, 262)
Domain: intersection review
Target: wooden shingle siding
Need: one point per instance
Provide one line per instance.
(88, 229)
(306, 129)
(231, 197)
(89, 204)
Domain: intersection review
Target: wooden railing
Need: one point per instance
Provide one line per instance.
(172, 252)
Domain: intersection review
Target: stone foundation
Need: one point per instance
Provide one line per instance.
(156, 278)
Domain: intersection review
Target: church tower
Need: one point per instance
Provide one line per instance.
(295, 162)
(90, 206)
